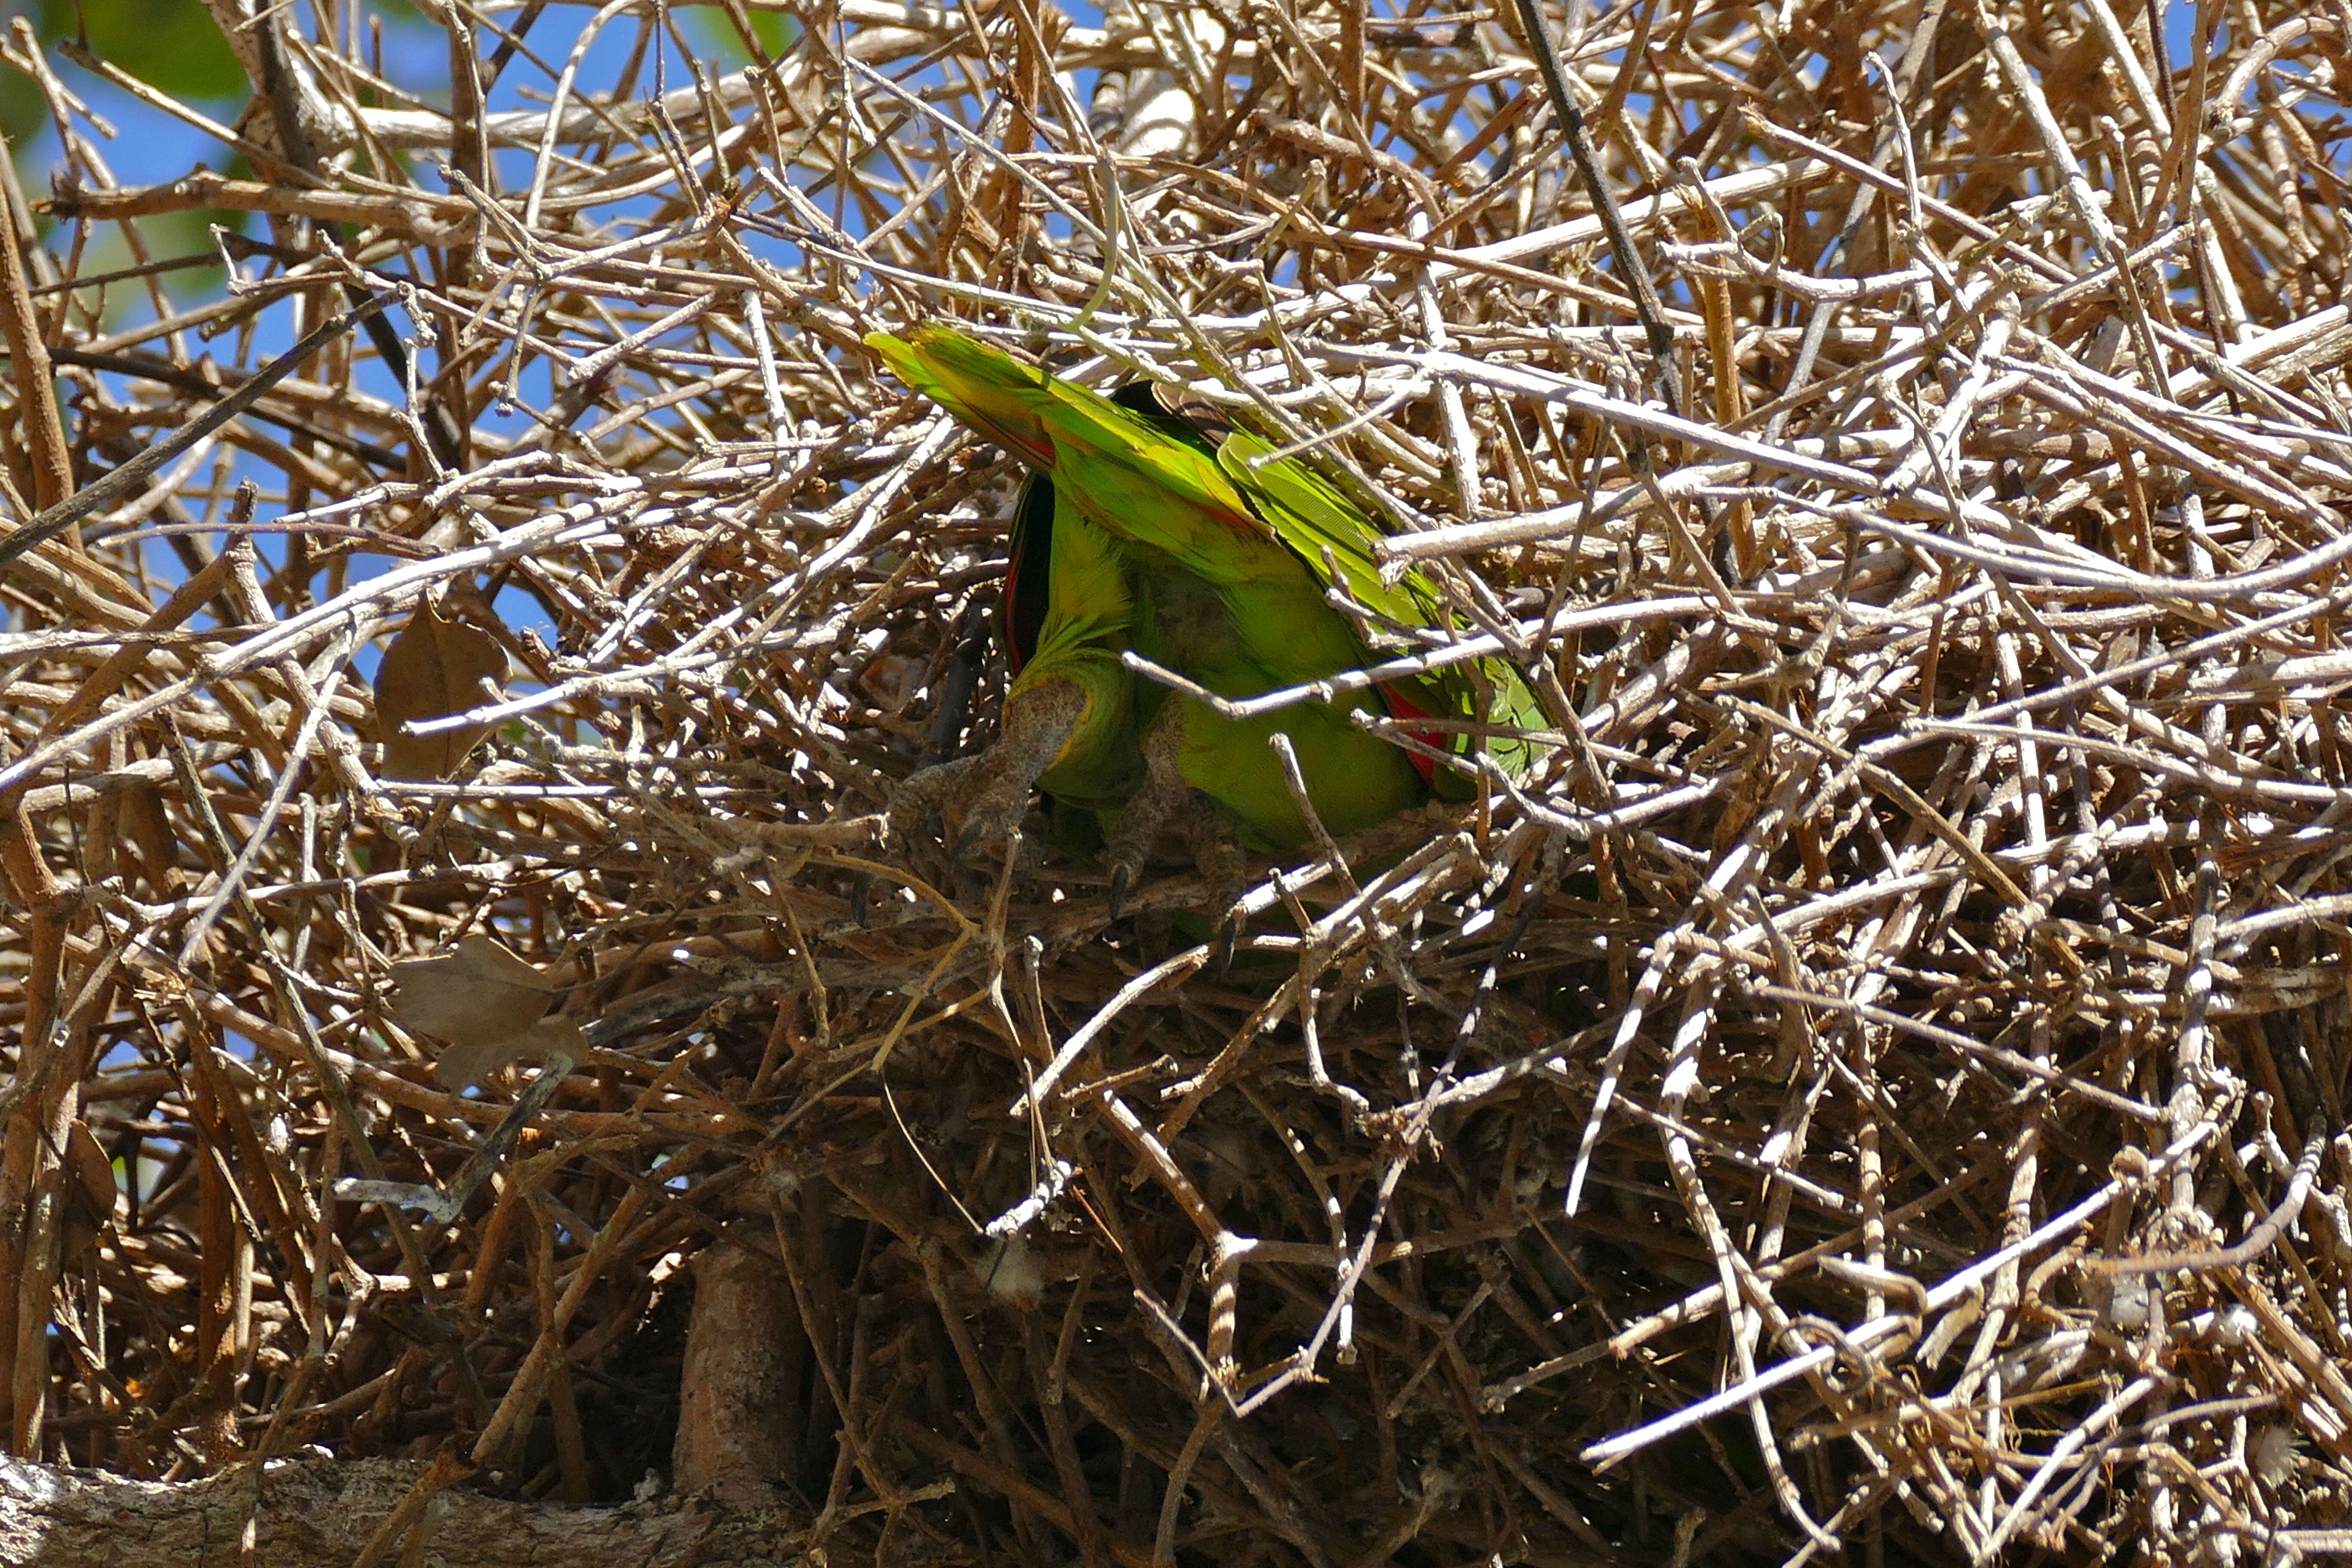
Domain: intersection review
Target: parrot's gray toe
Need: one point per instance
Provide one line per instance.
(1224, 867)
(976, 802)
(918, 809)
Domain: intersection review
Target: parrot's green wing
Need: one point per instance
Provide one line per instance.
(1330, 531)
(1110, 461)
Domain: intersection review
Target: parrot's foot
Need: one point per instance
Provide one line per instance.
(978, 800)
(1218, 854)
(1225, 870)
(1208, 833)
(1164, 798)
(1167, 800)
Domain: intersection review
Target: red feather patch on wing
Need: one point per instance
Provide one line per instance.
(1403, 707)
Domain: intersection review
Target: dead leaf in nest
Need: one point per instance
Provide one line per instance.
(434, 667)
(89, 1192)
(463, 1065)
(487, 1006)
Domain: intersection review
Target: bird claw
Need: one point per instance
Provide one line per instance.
(1167, 798)
(1229, 936)
(916, 807)
(975, 802)
(973, 835)
(1226, 869)
(968, 805)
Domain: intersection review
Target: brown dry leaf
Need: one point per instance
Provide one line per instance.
(435, 667)
(463, 1065)
(89, 1192)
(485, 1003)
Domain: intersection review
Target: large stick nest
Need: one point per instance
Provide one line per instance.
(1877, 1081)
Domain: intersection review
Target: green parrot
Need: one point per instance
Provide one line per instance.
(1150, 523)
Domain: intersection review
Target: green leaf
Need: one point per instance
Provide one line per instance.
(778, 35)
(22, 115)
(169, 43)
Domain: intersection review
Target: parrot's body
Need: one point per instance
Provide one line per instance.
(1143, 529)
(1235, 611)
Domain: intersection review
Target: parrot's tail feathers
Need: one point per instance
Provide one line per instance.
(984, 389)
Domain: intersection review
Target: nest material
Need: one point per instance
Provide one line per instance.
(1877, 1083)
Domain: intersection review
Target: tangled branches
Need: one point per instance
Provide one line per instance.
(1877, 1080)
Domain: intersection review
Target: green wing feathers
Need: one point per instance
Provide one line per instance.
(1327, 529)
(1110, 461)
